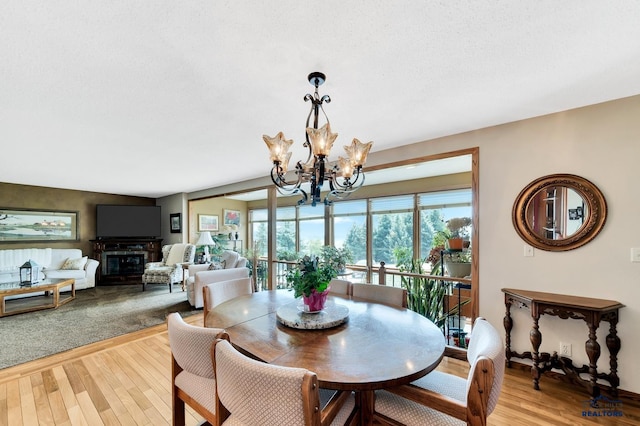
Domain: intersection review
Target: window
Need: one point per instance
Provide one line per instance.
(286, 235)
(392, 233)
(311, 225)
(438, 207)
(350, 228)
(258, 229)
(391, 237)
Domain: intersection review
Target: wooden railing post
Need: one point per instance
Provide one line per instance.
(382, 272)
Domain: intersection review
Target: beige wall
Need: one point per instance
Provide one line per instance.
(42, 198)
(216, 206)
(600, 143)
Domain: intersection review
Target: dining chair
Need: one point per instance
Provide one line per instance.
(380, 293)
(250, 392)
(192, 374)
(446, 399)
(341, 287)
(217, 293)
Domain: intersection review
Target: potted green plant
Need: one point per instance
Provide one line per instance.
(458, 264)
(426, 295)
(339, 258)
(311, 280)
(458, 231)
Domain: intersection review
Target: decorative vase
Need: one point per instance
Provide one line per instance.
(315, 301)
(236, 235)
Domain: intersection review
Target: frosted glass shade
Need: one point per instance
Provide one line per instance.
(321, 140)
(279, 149)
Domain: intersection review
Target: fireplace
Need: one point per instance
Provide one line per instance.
(123, 263)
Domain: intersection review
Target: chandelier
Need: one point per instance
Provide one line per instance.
(344, 176)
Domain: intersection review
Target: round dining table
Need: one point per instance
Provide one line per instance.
(379, 346)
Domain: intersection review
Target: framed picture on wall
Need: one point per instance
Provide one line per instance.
(207, 222)
(25, 225)
(231, 217)
(175, 222)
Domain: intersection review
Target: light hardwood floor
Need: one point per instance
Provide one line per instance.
(126, 381)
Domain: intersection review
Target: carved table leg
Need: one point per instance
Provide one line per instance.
(593, 352)
(508, 325)
(536, 339)
(613, 343)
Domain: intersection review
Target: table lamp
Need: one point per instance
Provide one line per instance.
(206, 241)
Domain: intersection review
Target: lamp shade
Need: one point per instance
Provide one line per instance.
(205, 239)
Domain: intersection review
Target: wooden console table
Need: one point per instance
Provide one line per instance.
(592, 311)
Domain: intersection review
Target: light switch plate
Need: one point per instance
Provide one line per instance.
(635, 254)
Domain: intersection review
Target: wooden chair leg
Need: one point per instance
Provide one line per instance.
(178, 410)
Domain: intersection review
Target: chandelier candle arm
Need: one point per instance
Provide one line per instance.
(344, 177)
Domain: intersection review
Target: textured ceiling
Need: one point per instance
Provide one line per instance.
(152, 98)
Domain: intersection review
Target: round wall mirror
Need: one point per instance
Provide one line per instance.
(559, 212)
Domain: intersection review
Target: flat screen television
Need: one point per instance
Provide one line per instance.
(119, 221)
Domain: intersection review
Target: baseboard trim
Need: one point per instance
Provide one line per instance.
(561, 377)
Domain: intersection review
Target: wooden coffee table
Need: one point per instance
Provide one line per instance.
(51, 288)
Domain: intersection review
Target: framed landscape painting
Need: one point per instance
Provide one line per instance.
(24, 225)
(231, 217)
(207, 222)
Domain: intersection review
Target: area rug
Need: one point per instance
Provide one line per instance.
(96, 314)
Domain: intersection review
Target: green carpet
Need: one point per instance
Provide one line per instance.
(96, 314)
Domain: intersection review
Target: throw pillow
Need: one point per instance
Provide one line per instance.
(74, 263)
(216, 265)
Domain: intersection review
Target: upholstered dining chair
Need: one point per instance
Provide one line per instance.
(250, 392)
(380, 293)
(169, 270)
(217, 293)
(342, 287)
(192, 375)
(445, 399)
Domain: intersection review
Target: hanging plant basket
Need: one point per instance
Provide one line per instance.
(458, 269)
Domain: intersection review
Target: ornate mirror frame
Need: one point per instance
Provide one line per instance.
(595, 212)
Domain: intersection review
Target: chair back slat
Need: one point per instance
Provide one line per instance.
(342, 287)
(395, 296)
(220, 292)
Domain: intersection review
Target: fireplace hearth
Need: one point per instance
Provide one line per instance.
(123, 263)
(123, 260)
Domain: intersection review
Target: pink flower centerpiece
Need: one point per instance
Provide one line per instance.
(311, 280)
(316, 300)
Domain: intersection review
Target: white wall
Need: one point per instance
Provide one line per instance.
(600, 143)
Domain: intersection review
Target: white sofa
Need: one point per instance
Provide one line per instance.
(51, 260)
(234, 266)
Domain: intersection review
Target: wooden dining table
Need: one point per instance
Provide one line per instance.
(379, 346)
